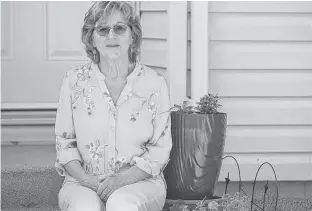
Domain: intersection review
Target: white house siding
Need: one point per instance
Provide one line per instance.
(154, 48)
(164, 47)
(260, 63)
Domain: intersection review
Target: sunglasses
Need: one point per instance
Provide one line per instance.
(118, 29)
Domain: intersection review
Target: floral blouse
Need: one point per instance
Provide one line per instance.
(104, 136)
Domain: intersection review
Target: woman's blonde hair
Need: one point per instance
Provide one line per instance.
(103, 9)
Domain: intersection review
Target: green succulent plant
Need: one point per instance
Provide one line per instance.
(185, 108)
(208, 104)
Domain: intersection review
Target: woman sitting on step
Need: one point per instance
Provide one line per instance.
(113, 133)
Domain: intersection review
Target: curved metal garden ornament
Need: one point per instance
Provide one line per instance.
(227, 180)
(265, 188)
(252, 203)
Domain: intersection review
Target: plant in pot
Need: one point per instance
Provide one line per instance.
(198, 135)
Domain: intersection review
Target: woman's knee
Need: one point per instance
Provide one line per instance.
(86, 206)
(117, 202)
(79, 198)
(145, 195)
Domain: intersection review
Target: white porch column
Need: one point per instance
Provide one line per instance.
(177, 50)
(199, 49)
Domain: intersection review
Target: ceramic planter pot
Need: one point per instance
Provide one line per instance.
(196, 155)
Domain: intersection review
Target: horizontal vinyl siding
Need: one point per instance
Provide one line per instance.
(154, 47)
(260, 64)
(262, 83)
(261, 26)
(260, 55)
(261, 7)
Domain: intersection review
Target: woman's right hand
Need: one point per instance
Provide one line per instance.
(92, 182)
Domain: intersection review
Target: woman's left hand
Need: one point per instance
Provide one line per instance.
(108, 186)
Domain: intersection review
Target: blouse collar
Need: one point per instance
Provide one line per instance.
(137, 69)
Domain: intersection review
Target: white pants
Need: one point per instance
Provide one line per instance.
(147, 195)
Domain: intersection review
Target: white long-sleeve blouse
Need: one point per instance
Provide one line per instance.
(103, 136)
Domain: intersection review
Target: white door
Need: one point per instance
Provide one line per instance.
(40, 41)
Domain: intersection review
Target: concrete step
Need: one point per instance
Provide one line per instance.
(28, 178)
(37, 208)
(29, 186)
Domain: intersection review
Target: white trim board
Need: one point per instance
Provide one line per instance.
(177, 51)
(199, 49)
(288, 167)
(28, 105)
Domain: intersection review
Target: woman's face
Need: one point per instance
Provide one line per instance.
(113, 36)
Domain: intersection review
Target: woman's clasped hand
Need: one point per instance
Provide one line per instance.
(108, 185)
